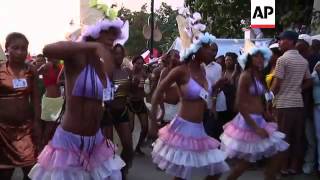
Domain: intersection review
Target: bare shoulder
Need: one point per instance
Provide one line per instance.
(245, 77)
(180, 70)
(180, 73)
(164, 71)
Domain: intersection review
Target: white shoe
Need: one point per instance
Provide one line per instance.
(308, 168)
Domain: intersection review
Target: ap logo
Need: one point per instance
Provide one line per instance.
(263, 13)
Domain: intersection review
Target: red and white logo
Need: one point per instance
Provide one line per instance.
(263, 13)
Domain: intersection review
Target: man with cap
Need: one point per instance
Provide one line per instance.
(292, 75)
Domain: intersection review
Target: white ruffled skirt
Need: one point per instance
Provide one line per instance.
(241, 142)
(183, 149)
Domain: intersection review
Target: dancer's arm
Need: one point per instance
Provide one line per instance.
(157, 98)
(67, 50)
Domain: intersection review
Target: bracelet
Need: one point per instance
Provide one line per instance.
(269, 96)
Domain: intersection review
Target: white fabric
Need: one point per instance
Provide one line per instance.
(274, 45)
(109, 170)
(51, 108)
(310, 154)
(275, 139)
(171, 111)
(307, 38)
(214, 73)
(186, 157)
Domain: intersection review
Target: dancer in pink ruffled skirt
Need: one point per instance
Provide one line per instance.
(78, 150)
(183, 149)
(248, 137)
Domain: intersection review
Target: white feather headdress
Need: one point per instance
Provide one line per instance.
(191, 33)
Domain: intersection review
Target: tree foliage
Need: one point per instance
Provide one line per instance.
(165, 19)
(223, 16)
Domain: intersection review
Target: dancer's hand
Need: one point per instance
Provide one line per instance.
(262, 132)
(36, 132)
(220, 83)
(268, 116)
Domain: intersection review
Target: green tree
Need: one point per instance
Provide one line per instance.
(165, 19)
(137, 20)
(223, 16)
(167, 23)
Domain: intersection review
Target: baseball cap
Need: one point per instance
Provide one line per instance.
(290, 35)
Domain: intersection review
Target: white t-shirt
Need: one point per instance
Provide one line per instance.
(213, 74)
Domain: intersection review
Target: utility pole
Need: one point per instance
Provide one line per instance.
(152, 28)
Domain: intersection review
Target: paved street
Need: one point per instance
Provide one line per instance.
(143, 169)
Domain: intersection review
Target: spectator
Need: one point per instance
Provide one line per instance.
(20, 109)
(291, 76)
(232, 74)
(303, 46)
(214, 77)
(316, 98)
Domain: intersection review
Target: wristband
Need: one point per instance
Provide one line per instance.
(269, 96)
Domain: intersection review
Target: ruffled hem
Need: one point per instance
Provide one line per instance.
(52, 157)
(185, 157)
(187, 172)
(246, 135)
(110, 168)
(180, 141)
(253, 151)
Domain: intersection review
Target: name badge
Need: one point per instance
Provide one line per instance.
(116, 88)
(204, 94)
(108, 94)
(19, 83)
(62, 90)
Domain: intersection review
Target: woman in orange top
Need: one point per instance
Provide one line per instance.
(20, 109)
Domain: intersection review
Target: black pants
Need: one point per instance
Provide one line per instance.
(214, 125)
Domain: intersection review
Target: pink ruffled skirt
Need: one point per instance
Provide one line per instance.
(70, 156)
(183, 149)
(240, 141)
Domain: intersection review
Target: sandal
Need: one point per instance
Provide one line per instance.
(284, 172)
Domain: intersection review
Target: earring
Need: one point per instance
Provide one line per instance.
(193, 57)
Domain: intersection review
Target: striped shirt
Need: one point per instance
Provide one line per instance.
(292, 69)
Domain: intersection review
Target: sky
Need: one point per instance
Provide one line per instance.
(47, 21)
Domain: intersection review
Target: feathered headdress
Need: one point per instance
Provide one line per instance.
(98, 16)
(191, 33)
(251, 49)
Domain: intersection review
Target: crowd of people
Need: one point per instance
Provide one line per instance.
(58, 112)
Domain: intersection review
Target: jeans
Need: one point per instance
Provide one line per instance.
(310, 156)
(317, 127)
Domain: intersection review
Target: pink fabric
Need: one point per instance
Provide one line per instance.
(52, 157)
(180, 141)
(235, 132)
